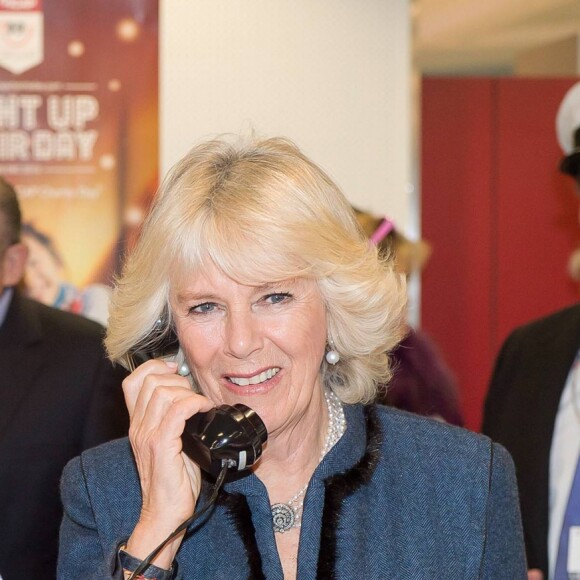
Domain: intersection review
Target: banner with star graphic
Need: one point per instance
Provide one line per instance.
(79, 137)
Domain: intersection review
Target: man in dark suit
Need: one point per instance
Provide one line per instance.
(533, 403)
(59, 395)
(521, 408)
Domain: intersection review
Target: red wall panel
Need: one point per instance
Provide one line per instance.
(500, 216)
(456, 157)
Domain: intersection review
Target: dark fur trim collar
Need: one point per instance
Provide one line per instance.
(338, 487)
(239, 512)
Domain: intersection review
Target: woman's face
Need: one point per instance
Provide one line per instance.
(258, 345)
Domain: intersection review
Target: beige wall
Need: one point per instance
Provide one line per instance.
(558, 58)
(334, 76)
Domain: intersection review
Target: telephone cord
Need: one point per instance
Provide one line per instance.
(149, 559)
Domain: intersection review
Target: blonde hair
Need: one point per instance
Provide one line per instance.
(262, 212)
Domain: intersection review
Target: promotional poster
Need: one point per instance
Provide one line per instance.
(79, 138)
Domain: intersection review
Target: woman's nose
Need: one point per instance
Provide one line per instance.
(243, 335)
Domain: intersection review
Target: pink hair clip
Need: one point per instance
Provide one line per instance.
(384, 228)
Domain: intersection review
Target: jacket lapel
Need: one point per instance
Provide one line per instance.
(550, 359)
(21, 357)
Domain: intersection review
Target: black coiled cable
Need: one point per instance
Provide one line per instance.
(149, 559)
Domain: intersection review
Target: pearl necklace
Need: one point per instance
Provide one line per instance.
(289, 514)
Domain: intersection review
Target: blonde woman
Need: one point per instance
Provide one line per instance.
(253, 258)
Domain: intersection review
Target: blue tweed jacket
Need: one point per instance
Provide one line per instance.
(399, 496)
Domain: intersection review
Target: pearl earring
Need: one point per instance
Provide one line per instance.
(182, 366)
(183, 370)
(332, 356)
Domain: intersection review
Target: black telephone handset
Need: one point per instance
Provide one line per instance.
(231, 435)
(226, 435)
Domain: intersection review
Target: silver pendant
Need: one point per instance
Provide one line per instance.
(283, 517)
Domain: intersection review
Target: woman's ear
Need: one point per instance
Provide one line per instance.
(13, 264)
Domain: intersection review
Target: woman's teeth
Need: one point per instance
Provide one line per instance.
(256, 379)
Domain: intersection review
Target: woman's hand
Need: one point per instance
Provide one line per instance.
(159, 402)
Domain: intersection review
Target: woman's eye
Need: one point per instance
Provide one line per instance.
(278, 297)
(204, 308)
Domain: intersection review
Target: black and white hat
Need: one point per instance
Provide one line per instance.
(568, 131)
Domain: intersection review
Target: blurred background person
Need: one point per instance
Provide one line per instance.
(46, 281)
(59, 395)
(533, 407)
(422, 382)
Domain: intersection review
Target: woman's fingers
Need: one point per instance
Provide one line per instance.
(171, 407)
(134, 383)
(159, 391)
(170, 486)
(159, 402)
(164, 417)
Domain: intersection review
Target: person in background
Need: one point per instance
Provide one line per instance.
(252, 256)
(533, 408)
(45, 280)
(59, 395)
(422, 382)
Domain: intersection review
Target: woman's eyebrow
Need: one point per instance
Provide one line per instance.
(289, 283)
(268, 286)
(189, 296)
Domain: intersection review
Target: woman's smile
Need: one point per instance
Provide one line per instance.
(260, 377)
(258, 383)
